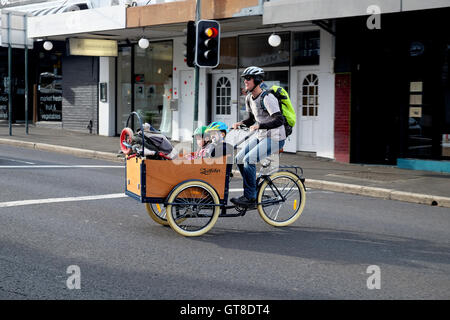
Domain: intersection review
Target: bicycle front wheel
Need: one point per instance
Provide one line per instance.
(193, 208)
(281, 202)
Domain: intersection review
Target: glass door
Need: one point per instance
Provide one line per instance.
(124, 97)
(153, 84)
(445, 132)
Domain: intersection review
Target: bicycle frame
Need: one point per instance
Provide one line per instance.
(259, 180)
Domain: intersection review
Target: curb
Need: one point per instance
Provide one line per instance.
(387, 194)
(83, 153)
(374, 192)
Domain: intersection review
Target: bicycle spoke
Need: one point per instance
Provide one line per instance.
(287, 194)
(277, 213)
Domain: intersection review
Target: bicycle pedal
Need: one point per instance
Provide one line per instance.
(248, 207)
(241, 210)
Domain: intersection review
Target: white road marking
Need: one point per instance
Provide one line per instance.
(57, 200)
(7, 159)
(59, 166)
(82, 198)
(320, 191)
(241, 190)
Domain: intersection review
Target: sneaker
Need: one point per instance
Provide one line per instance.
(243, 201)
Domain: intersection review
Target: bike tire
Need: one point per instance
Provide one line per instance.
(157, 212)
(190, 198)
(296, 197)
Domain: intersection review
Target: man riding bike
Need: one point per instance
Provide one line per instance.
(270, 136)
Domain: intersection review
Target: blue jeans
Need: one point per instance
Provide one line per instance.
(253, 152)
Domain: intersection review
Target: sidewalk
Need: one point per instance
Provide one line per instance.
(388, 182)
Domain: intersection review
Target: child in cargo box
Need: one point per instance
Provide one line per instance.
(202, 142)
(217, 132)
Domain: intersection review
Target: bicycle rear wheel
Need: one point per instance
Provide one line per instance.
(193, 208)
(272, 208)
(157, 212)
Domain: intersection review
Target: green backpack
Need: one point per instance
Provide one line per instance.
(285, 106)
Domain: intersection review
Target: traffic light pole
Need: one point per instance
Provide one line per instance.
(26, 74)
(196, 78)
(9, 76)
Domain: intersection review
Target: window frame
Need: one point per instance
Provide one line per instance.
(315, 96)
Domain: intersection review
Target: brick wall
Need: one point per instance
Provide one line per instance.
(342, 117)
(80, 93)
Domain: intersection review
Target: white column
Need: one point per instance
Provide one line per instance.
(106, 110)
(325, 139)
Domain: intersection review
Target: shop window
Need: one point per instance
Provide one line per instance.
(446, 115)
(228, 53)
(419, 122)
(123, 87)
(446, 145)
(310, 96)
(153, 84)
(223, 96)
(3, 93)
(49, 87)
(255, 50)
(306, 48)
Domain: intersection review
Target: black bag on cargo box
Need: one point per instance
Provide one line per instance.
(154, 141)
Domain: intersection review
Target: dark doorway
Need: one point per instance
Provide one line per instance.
(377, 98)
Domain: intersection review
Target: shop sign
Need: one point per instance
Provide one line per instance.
(3, 106)
(93, 47)
(50, 107)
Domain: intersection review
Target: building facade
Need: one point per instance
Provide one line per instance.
(363, 92)
(391, 77)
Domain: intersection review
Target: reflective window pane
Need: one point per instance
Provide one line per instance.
(124, 87)
(228, 53)
(153, 84)
(255, 50)
(306, 48)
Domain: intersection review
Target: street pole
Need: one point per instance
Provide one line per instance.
(26, 73)
(9, 75)
(196, 77)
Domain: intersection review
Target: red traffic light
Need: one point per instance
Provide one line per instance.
(139, 78)
(211, 32)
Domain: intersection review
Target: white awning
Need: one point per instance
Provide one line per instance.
(53, 7)
(81, 21)
(285, 11)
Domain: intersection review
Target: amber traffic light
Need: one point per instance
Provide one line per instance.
(207, 43)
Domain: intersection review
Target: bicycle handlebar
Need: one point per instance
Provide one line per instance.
(141, 125)
(245, 128)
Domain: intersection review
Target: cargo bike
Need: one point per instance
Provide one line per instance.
(190, 195)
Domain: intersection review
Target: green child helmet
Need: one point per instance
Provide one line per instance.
(200, 131)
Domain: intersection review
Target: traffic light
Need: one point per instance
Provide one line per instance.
(207, 43)
(190, 44)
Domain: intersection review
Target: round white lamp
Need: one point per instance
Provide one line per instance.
(48, 45)
(143, 43)
(274, 40)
